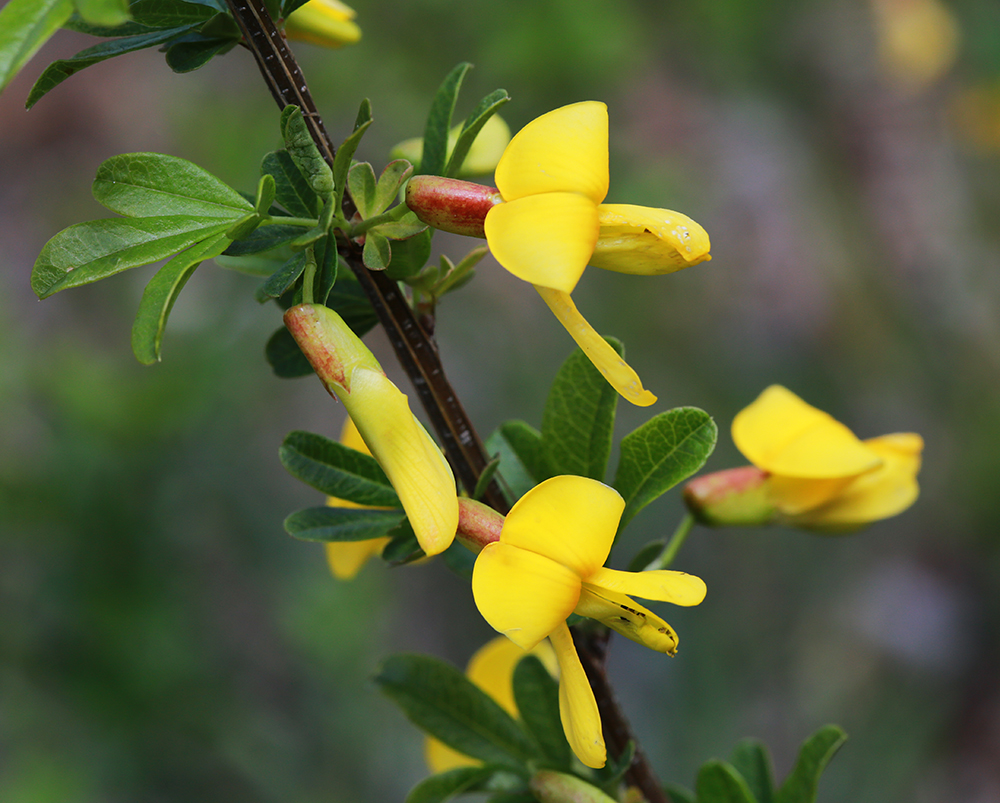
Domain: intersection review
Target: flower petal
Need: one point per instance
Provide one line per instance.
(346, 558)
(641, 240)
(441, 758)
(522, 594)
(568, 519)
(581, 719)
(628, 617)
(878, 494)
(565, 150)
(662, 585)
(782, 434)
(794, 495)
(544, 239)
(351, 438)
(605, 359)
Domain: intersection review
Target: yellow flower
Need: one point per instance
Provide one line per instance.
(412, 461)
(328, 23)
(347, 557)
(491, 668)
(549, 563)
(819, 474)
(552, 223)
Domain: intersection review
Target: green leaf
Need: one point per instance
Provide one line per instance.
(718, 782)
(409, 225)
(751, 760)
(328, 267)
(285, 357)
(160, 294)
(536, 694)
(440, 700)
(612, 773)
(266, 191)
(337, 470)
(664, 451)
(103, 12)
(26, 25)
(448, 784)
(485, 478)
(170, 13)
(342, 523)
(361, 183)
(802, 782)
(59, 71)
(392, 178)
(264, 239)
(410, 255)
(288, 6)
(349, 301)
(88, 252)
(678, 794)
(292, 190)
(522, 461)
(439, 121)
(283, 278)
(579, 418)
(377, 253)
(403, 548)
(304, 152)
(197, 50)
(154, 184)
(474, 123)
(342, 161)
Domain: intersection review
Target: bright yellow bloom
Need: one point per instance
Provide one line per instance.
(347, 557)
(819, 473)
(549, 563)
(412, 461)
(328, 23)
(553, 178)
(491, 668)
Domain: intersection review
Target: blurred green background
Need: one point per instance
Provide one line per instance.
(162, 639)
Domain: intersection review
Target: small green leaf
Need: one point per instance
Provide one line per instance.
(410, 255)
(612, 772)
(59, 71)
(349, 301)
(283, 278)
(264, 239)
(664, 451)
(160, 294)
(486, 478)
(288, 6)
(342, 523)
(403, 548)
(409, 225)
(152, 184)
(103, 12)
(88, 252)
(244, 227)
(802, 782)
(446, 785)
(361, 182)
(342, 161)
(536, 693)
(392, 178)
(579, 418)
(197, 50)
(285, 357)
(439, 122)
(474, 123)
(266, 191)
(377, 252)
(328, 268)
(170, 13)
(460, 273)
(336, 470)
(751, 760)
(522, 461)
(292, 190)
(26, 25)
(304, 152)
(440, 700)
(718, 782)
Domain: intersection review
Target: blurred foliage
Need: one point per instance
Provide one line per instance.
(164, 640)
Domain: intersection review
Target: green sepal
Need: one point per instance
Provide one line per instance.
(90, 251)
(59, 71)
(664, 451)
(342, 161)
(26, 25)
(803, 781)
(285, 357)
(300, 146)
(337, 470)
(377, 252)
(103, 12)
(751, 760)
(536, 693)
(393, 177)
(579, 418)
(522, 462)
(719, 782)
(292, 190)
(160, 294)
(446, 785)
(361, 183)
(442, 701)
(196, 50)
(342, 523)
(474, 123)
(435, 153)
(282, 279)
(152, 184)
(410, 255)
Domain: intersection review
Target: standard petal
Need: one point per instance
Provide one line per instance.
(628, 617)
(619, 373)
(412, 461)
(662, 585)
(347, 557)
(565, 150)
(522, 594)
(544, 239)
(581, 720)
(641, 240)
(879, 494)
(568, 519)
(782, 434)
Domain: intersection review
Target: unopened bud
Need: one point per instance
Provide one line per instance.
(737, 496)
(558, 787)
(451, 205)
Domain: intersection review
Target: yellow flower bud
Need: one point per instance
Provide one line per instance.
(328, 23)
